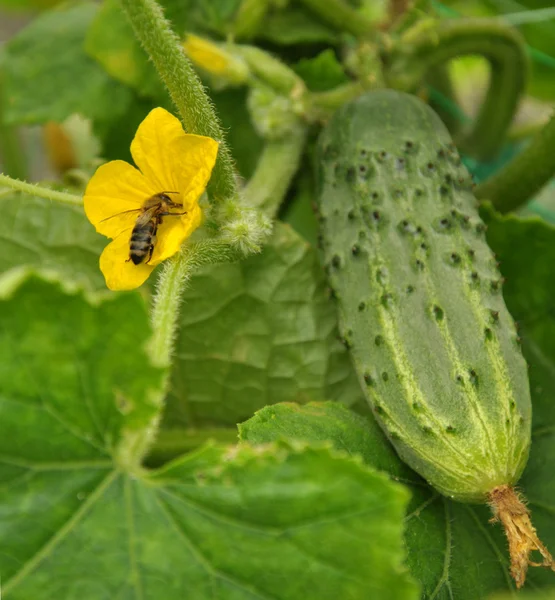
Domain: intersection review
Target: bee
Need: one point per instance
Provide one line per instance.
(143, 236)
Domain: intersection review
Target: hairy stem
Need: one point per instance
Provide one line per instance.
(275, 170)
(185, 88)
(342, 17)
(322, 104)
(41, 192)
(426, 47)
(175, 275)
(525, 175)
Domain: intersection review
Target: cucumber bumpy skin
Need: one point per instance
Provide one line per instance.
(420, 304)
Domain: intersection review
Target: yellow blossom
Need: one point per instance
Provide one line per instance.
(170, 161)
(216, 59)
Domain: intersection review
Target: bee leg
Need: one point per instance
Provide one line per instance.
(170, 214)
(150, 250)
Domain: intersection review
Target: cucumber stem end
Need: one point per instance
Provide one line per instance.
(508, 506)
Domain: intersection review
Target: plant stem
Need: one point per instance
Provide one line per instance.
(525, 175)
(41, 192)
(185, 88)
(342, 17)
(175, 275)
(322, 104)
(275, 170)
(270, 70)
(425, 47)
(442, 98)
(171, 443)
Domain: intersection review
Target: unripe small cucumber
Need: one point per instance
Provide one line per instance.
(419, 295)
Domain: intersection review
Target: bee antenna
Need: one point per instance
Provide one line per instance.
(169, 192)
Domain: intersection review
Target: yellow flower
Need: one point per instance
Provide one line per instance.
(216, 59)
(170, 161)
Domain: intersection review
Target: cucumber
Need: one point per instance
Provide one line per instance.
(420, 300)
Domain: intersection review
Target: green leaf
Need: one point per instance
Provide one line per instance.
(299, 211)
(296, 25)
(234, 524)
(452, 550)
(52, 239)
(330, 421)
(321, 73)
(48, 76)
(258, 332)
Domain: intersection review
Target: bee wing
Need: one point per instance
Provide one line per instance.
(122, 213)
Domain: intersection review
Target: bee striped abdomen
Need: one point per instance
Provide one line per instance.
(141, 243)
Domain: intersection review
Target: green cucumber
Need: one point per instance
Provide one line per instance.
(419, 298)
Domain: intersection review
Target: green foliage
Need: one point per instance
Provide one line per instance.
(111, 42)
(296, 25)
(242, 138)
(110, 39)
(313, 502)
(28, 4)
(228, 523)
(267, 335)
(52, 239)
(48, 56)
(321, 73)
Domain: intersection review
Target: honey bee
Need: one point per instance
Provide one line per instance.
(143, 236)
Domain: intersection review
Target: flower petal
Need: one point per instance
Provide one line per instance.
(119, 272)
(172, 159)
(114, 189)
(173, 231)
(195, 157)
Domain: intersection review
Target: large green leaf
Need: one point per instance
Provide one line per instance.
(53, 239)
(80, 519)
(258, 332)
(452, 549)
(48, 76)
